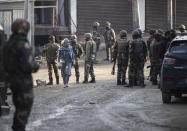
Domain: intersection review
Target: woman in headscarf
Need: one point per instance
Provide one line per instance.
(66, 57)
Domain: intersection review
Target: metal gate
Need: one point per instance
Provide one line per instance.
(181, 12)
(118, 12)
(156, 14)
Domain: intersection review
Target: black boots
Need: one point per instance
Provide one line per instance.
(57, 80)
(92, 81)
(77, 80)
(85, 81)
(131, 84)
(118, 82)
(50, 81)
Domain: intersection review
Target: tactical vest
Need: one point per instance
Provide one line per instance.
(122, 45)
(138, 47)
(52, 52)
(10, 54)
(155, 49)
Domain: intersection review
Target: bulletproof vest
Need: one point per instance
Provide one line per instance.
(10, 54)
(155, 49)
(109, 35)
(96, 34)
(138, 47)
(122, 44)
(93, 48)
(51, 53)
(76, 49)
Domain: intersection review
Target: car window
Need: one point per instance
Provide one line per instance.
(179, 48)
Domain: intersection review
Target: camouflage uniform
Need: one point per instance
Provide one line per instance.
(78, 51)
(121, 52)
(96, 35)
(156, 56)
(89, 58)
(137, 56)
(110, 39)
(19, 66)
(51, 52)
(149, 41)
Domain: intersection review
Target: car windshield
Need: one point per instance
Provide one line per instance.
(179, 47)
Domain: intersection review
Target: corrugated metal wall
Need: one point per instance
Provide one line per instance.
(156, 14)
(181, 12)
(8, 16)
(118, 12)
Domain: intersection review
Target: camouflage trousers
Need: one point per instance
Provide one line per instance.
(89, 69)
(53, 65)
(76, 66)
(122, 68)
(22, 95)
(108, 50)
(156, 69)
(136, 71)
(98, 42)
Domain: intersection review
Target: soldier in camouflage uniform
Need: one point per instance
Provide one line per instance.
(51, 52)
(156, 55)
(19, 66)
(96, 36)
(89, 58)
(78, 51)
(110, 39)
(149, 41)
(121, 53)
(137, 56)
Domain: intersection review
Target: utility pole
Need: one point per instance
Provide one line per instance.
(29, 16)
(170, 15)
(136, 14)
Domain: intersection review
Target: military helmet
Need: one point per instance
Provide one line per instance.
(73, 37)
(52, 38)
(135, 34)
(88, 35)
(108, 24)
(182, 27)
(123, 33)
(140, 32)
(20, 26)
(152, 32)
(96, 24)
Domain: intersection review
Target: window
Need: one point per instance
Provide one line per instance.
(46, 12)
(179, 47)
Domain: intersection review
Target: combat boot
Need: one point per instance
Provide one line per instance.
(118, 82)
(50, 82)
(77, 80)
(131, 84)
(154, 82)
(57, 81)
(85, 81)
(142, 84)
(92, 81)
(123, 82)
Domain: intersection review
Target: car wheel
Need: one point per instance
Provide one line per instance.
(166, 97)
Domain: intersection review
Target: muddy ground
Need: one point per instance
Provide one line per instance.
(102, 106)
